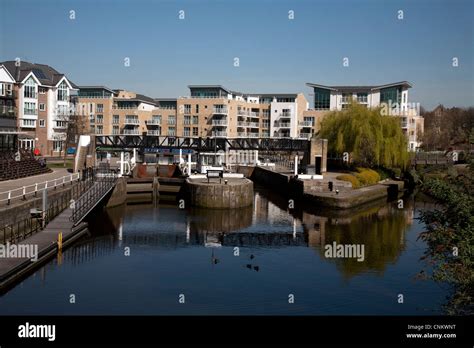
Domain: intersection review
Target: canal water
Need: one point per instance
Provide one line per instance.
(145, 259)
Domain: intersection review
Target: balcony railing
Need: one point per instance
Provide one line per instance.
(252, 124)
(132, 121)
(60, 126)
(306, 123)
(254, 114)
(283, 124)
(154, 122)
(154, 132)
(252, 135)
(221, 123)
(116, 107)
(27, 125)
(6, 110)
(95, 96)
(131, 132)
(305, 135)
(285, 114)
(220, 111)
(219, 134)
(187, 111)
(30, 111)
(242, 113)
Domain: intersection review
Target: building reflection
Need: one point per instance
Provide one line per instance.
(269, 223)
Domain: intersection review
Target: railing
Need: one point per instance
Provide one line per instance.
(104, 181)
(95, 96)
(116, 107)
(219, 122)
(306, 123)
(283, 124)
(30, 111)
(285, 114)
(132, 121)
(154, 132)
(252, 124)
(220, 111)
(7, 110)
(154, 122)
(33, 190)
(165, 108)
(254, 114)
(131, 132)
(219, 134)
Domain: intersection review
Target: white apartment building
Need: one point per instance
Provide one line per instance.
(392, 97)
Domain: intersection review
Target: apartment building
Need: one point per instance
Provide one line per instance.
(42, 99)
(214, 110)
(121, 112)
(8, 111)
(392, 97)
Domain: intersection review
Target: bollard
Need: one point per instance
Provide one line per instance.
(24, 193)
(36, 189)
(9, 197)
(60, 241)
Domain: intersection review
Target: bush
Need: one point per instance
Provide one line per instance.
(350, 178)
(367, 176)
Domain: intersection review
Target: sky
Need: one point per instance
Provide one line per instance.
(275, 54)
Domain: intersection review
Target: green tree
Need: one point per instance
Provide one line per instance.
(373, 139)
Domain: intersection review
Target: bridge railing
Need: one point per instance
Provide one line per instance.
(104, 180)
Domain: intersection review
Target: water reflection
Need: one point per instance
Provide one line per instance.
(268, 224)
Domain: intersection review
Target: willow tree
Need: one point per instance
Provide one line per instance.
(372, 139)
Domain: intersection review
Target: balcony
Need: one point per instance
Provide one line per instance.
(282, 124)
(306, 123)
(132, 121)
(7, 110)
(30, 111)
(242, 134)
(305, 135)
(242, 113)
(252, 135)
(154, 132)
(127, 107)
(130, 132)
(187, 111)
(220, 123)
(254, 114)
(153, 122)
(242, 124)
(219, 134)
(252, 124)
(285, 114)
(219, 110)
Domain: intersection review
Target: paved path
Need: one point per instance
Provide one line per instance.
(30, 181)
(46, 242)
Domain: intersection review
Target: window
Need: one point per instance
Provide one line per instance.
(62, 91)
(322, 99)
(197, 108)
(30, 88)
(195, 131)
(41, 123)
(362, 97)
(2, 89)
(187, 108)
(57, 145)
(187, 131)
(391, 95)
(61, 124)
(115, 130)
(100, 107)
(172, 120)
(99, 130)
(346, 97)
(404, 97)
(187, 119)
(171, 131)
(116, 119)
(28, 123)
(100, 119)
(42, 90)
(42, 107)
(195, 119)
(30, 109)
(91, 119)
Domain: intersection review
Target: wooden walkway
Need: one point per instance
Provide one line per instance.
(47, 241)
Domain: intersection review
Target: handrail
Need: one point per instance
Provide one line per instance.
(24, 191)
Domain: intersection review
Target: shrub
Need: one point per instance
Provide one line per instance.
(350, 178)
(367, 176)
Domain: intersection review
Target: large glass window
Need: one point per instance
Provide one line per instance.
(62, 91)
(30, 109)
(30, 88)
(362, 97)
(322, 99)
(393, 95)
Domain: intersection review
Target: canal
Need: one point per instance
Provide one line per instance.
(145, 259)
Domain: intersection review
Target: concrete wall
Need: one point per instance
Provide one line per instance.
(236, 194)
(119, 194)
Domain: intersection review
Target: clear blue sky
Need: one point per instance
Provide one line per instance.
(276, 54)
